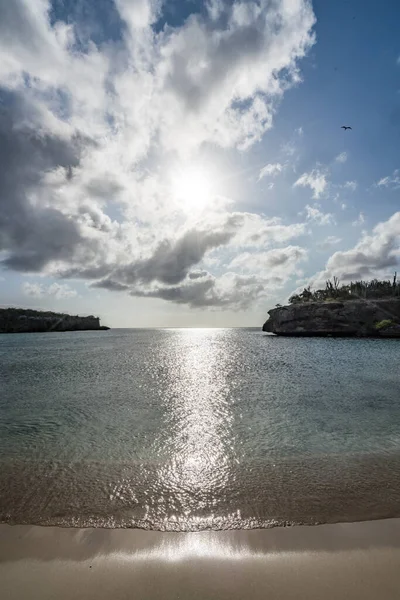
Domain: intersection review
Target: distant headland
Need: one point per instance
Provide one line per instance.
(21, 320)
(360, 309)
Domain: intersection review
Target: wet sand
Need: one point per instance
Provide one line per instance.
(349, 560)
(304, 490)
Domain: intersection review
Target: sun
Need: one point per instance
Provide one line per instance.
(192, 188)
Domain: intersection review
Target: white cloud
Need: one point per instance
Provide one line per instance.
(61, 291)
(390, 181)
(313, 213)
(350, 185)
(342, 157)
(279, 262)
(360, 220)
(329, 242)
(138, 14)
(215, 8)
(270, 170)
(343, 206)
(35, 290)
(316, 180)
(289, 148)
(57, 290)
(258, 231)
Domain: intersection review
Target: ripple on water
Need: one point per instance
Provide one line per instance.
(197, 429)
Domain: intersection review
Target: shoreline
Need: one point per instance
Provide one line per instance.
(352, 560)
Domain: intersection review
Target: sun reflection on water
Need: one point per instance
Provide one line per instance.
(199, 418)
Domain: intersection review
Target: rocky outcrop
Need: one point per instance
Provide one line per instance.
(19, 320)
(363, 318)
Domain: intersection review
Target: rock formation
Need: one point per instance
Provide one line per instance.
(363, 318)
(19, 320)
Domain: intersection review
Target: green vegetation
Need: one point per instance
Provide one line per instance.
(374, 289)
(384, 324)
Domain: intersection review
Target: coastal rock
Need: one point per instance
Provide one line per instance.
(363, 318)
(19, 320)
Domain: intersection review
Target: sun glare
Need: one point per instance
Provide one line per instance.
(192, 188)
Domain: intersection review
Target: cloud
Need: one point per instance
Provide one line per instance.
(329, 242)
(83, 122)
(375, 255)
(36, 290)
(259, 275)
(231, 290)
(350, 185)
(57, 290)
(280, 261)
(215, 8)
(360, 220)
(172, 263)
(256, 231)
(198, 274)
(316, 180)
(61, 291)
(390, 181)
(341, 158)
(313, 213)
(270, 170)
(32, 233)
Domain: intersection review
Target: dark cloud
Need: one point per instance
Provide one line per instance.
(197, 274)
(277, 258)
(172, 260)
(31, 235)
(110, 284)
(169, 264)
(237, 293)
(104, 188)
(196, 295)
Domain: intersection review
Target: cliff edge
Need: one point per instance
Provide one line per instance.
(19, 320)
(360, 318)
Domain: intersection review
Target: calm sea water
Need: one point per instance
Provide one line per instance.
(187, 429)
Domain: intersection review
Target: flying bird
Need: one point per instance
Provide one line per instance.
(345, 127)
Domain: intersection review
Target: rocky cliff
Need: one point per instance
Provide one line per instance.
(363, 318)
(19, 320)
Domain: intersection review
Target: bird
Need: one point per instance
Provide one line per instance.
(345, 127)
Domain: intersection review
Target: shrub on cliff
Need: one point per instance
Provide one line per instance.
(373, 289)
(384, 324)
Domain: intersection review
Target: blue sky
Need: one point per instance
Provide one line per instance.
(183, 163)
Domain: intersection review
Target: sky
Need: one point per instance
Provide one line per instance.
(182, 163)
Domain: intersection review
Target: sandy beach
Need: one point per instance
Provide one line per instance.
(350, 560)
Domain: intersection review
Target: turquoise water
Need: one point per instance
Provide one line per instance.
(197, 428)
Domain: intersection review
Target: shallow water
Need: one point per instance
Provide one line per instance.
(197, 428)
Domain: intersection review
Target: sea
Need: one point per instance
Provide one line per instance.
(195, 429)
